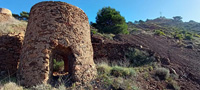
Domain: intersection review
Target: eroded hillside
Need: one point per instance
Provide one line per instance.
(9, 24)
(180, 57)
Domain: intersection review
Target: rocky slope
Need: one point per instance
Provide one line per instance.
(9, 24)
(180, 59)
(184, 61)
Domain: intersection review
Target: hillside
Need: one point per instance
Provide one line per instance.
(167, 53)
(9, 24)
(186, 32)
(166, 40)
(132, 61)
(191, 26)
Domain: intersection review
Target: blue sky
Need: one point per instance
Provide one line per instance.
(131, 9)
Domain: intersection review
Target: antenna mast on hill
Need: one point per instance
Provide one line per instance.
(160, 14)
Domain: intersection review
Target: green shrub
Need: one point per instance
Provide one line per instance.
(115, 77)
(178, 36)
(162, 73)
(93, 31)
(117, 83)
(159, 32)
(58, 65)
(188, 36)
(197, 35)
(184, 35)
(103, 68)
(120, 83)
(109, 20)
(105, 79)
(118, 71)
(137, 57)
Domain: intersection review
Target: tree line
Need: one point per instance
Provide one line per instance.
(23, 16)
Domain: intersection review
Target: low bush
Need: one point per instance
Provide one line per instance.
(184, 35)
(93, 31)
(137, 57)
(197, 35)
(162, 73)
(103, 68)
(58, 65)
(118, 71)
(159, 32)
(178, 36)
(116, 83)
(105, 80)
(188, 37)
(120, 83)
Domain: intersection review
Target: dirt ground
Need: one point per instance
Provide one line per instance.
(184, 61)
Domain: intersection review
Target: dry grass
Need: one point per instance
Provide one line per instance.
(12, 26)
(11, 86)
(115, 77)
(14, 86)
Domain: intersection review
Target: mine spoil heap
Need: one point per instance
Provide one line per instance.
(56, 28)
(5, 14)
(5, 11)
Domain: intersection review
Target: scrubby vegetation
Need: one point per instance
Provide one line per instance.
(58, 65)
(183, 35)
(116, 77)
(137, 57)
(162, 73)
(12, 26)
(159, 32)
(117, 71)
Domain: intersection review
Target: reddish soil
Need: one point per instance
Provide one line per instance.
(184, 61)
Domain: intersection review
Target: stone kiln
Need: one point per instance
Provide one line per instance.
(56, 28)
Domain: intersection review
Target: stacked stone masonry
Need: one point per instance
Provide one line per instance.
(10, 47)
(56, 28)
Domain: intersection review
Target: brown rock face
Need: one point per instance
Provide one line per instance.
(56, 28)
(10, 47)
(5, 11)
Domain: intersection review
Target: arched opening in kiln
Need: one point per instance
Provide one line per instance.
(61, 63)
